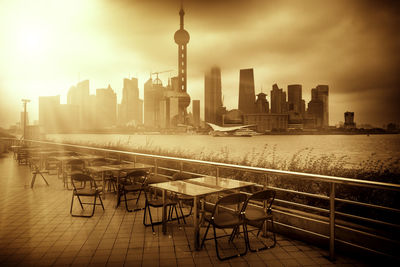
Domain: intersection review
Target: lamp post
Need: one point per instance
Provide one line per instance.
(25, 101)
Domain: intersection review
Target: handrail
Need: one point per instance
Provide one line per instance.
(325, 178)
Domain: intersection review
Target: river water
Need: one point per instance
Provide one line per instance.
(356, 148)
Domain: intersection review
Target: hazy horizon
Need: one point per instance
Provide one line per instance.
(352, 46)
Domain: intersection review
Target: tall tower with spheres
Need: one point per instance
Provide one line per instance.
(182, 39)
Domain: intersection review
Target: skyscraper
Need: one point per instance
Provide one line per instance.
(212, 95)
(323, 95)
(106, 107)
(349, 120)
(131, 107)
(262, 105)
(278, 100)
(246, 91)
(316, 108)
(79, 96)
(295, 98)
(153, 94)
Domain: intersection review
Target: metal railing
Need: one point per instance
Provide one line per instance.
(331, 212)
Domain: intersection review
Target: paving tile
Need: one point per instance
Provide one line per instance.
(49, 236)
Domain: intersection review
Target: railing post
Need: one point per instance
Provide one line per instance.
(155, 166)
(332, 223)
(217, 174)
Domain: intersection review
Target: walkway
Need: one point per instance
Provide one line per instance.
(36, 229)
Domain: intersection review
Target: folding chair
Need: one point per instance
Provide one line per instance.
(72, 166)
(224, 218)
(133, 182)
(84, 186)
(158, 203)
(257, 216)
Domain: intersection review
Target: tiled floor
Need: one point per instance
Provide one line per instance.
(36, 229)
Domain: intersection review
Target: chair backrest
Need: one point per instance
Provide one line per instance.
(82, 179)
(237, 199)
(180, 176)
(266, 196)
(75, 164)
(137, 176)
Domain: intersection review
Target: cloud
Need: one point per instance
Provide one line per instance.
(350, 45)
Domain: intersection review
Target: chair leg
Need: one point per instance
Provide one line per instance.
(147, 207)
(80, 202)
(137, 200)
(44, 178)
(265, 245)
(151, 219)
(101, 201)
(33, 179)
(126, 202)
(94, 206)
(235, 255)
(176, 213)
(183, 215)
(72, 203)
(273, 232)
(205, 235)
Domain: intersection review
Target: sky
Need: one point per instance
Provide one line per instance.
(46, 46)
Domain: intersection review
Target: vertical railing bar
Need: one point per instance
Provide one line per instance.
(332, 223)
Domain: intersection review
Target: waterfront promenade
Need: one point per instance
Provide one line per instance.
(36, 229)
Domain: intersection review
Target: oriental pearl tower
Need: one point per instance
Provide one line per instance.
(181, 39)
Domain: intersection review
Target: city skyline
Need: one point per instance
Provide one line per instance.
(353, 53)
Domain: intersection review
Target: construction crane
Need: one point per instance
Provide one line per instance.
(158, 72)
(157, 80)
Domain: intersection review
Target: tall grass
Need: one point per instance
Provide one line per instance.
(301, 161)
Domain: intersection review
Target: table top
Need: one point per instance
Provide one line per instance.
(88, 157)
(219, 183)
(63, 158)
(201, 186)
(185, 188)
(102, 168)
(129, 166)
(45, 152)
(119, 167)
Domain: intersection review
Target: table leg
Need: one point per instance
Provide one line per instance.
(196, 223)
(164, 212)
(104, 184)
(118, 189)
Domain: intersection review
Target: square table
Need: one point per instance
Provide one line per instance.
(196, 188)
(118, 168)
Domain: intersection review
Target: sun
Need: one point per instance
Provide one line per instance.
(32, 40)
